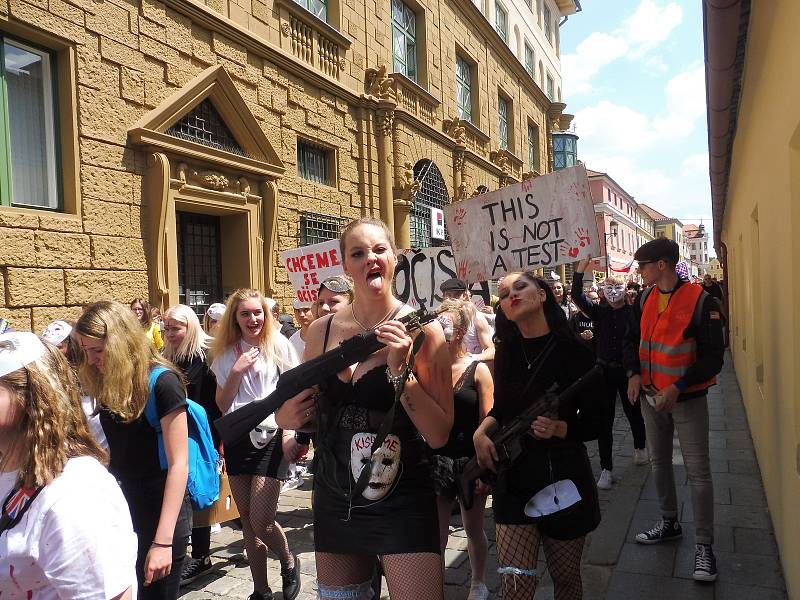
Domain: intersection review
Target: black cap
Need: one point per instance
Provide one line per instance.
(453, 285)
(658, 249)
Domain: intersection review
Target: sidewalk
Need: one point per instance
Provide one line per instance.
(615, 567)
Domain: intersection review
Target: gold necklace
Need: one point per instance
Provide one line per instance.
(364, 327)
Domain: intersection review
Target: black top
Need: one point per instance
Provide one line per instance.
(466, 415)
(568, 360)
(610, 323)
(714, 289)
(134, 446)
(579, 323)
(201, 386)
(708, 335)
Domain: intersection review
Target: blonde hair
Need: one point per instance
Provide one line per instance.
(614, 280)
(52, 427)
(229, 333)
(461, 311)
(365, 221)
(122, 386)
(196, 341)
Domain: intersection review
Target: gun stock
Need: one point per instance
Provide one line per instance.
(508, 439)
(236, 425)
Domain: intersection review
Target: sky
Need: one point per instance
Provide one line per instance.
(634, 78)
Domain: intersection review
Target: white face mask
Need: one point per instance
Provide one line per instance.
(614, 293)
(385, 463)
(447, 326)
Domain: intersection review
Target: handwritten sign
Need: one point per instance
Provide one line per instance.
(541, 222)
(420, 272)
(309, 266)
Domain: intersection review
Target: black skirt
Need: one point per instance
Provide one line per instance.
(243, 458)
(531, 473)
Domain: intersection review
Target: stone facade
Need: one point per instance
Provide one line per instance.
(128, 69)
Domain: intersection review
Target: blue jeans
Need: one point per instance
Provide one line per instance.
(690, 418)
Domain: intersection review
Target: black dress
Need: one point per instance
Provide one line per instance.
(517, 483)
(396, 514)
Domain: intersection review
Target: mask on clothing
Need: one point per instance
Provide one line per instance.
(614, 292)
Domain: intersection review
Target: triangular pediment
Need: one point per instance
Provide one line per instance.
(207, 119)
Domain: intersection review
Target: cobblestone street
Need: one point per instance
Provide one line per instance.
(615, 567)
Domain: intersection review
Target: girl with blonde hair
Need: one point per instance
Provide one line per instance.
(115, 370)
(186, 345)
(56, 539)
(249, 356)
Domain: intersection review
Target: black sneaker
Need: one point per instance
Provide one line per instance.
(665, 529)
(291, 580)
(261, 595)
(705, 565)
(194, 568)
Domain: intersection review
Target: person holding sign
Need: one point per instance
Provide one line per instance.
(535, 345)
(394, 516)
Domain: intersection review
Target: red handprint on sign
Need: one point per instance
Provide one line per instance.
(568, 250)
(583, 236)
(459, 215)
(462, 269)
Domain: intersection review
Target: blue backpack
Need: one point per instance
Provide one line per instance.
(203, 483)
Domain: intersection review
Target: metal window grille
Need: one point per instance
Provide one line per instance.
(404, 39)
(432, 194)
(319, 8)
(313, 163)
(204, 125)
(199, 261)
(502, 110)
(316, 228)
(501, 21)
(463, 89)
(533, 148)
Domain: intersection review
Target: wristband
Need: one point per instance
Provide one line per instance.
(157, 545)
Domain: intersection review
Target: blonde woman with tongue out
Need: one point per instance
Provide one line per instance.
(394, 518)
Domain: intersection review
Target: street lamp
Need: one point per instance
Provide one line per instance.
(612, 225)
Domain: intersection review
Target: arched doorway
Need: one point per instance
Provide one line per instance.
(432, 194)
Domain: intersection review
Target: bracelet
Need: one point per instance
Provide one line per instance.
(157, 545)
(395, 380)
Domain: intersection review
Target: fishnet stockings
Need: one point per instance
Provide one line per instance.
(257, 500)
(416, 576)
(518, 546)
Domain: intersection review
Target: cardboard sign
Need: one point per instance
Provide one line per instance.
(309, 266)
(420, 272)
(541, 222)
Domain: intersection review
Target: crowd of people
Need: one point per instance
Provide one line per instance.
(94, 491)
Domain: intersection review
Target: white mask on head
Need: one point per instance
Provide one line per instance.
(614, 292)
(385, 463)
(447, 326)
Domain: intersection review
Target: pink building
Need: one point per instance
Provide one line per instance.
(615, 210)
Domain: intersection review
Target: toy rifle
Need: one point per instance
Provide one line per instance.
(508, 440)
(234, 426)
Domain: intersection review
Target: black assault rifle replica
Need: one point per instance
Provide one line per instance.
(239, 423)
(508, 440)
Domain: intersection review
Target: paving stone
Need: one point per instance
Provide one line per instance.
(732, 591)
(755, 541)
(624, 586)
(649, 560)
(738, 568)
(748, 497)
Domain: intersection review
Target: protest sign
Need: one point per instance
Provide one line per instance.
(309, 266)
(540, 222)
(420, 272)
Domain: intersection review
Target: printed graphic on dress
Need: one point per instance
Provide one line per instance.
(385, 463)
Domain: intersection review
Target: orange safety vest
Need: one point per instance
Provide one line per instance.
(664, 354)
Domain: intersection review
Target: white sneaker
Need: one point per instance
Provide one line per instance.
(478, 591)
(605, 481)
(640, 456)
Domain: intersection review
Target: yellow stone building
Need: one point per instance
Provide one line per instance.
(754, 149)
(171, 149)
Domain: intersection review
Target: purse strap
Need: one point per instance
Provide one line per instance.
(16, 505)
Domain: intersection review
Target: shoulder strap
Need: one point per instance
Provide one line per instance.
(327, 333)
(697, 316)
(150, 410)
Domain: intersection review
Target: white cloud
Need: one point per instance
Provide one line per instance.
(695, 165)
(649, 26)
(686, 103)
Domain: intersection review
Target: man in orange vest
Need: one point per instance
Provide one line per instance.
(673, 352)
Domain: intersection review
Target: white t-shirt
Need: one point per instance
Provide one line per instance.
(87, 402)
(259, 381)
(298, 344)
(75, 540)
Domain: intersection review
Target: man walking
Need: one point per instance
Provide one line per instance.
(673, 352)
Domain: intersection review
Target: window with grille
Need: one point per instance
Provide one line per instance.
(501, 21)
(565, 154)
(314, 163)
(533, 148)
(319, 8)
(28, 124)
(502, 110)
(463, 89)
(548, 24)
(530, 61)
(404, 39)
(199, 261)
(432, 194)
(316, 228)
(204, 125)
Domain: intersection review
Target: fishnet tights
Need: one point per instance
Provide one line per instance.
(518, 546)
(416, 576)
(256, 498)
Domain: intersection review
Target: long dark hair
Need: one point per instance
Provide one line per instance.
(506, 330)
